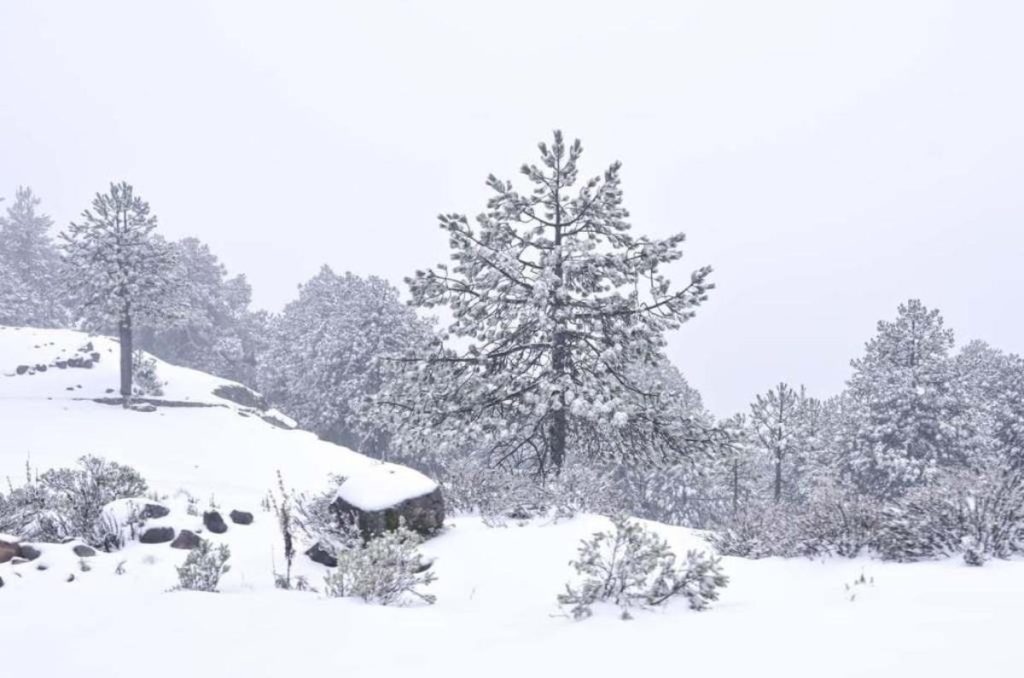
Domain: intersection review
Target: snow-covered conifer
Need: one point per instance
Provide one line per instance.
(781, 425)
(29, 263)
(322, 357)
(900, 431)
(217, 332)
(120, 273)
(556, 307)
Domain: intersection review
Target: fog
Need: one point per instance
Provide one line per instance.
(829, 159)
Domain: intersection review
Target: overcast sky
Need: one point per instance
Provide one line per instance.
(829, 159)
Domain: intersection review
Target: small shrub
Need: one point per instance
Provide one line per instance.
(68, 502)
(145, 381)
(283, 512)
(633, 567)
(204, 567)
(386, 569)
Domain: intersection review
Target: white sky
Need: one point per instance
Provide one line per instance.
(829, 159)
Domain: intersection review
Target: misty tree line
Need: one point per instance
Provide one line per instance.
(551, 379)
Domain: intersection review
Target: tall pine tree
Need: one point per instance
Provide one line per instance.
(556, 308)
(29, 263)
(781, 427)
(900, 432)
(120, 273)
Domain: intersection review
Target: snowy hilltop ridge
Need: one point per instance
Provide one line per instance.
(210, 436)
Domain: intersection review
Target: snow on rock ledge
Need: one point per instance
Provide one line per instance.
(383, 495)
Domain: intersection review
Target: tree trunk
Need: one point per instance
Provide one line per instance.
(778, 477)
(125, 332)
(735, 486)
(559, 424)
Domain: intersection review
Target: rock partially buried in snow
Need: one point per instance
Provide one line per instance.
(157, 535)
(151, 510)
(385, 495)
(186, 539)
(240, 395)
(83, 551)
(28, 552)
(8, 549)
(241, 517)
(214, 522)
(318, 554)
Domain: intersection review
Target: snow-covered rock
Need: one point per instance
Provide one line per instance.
(383, 496)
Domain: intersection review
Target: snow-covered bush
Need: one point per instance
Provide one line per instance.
(386, 569)
(760, 530)
(68, 502)
(978, 513)
(633, 567)
(204, 567)
(475, 486)
(145, 381)
(318, 522)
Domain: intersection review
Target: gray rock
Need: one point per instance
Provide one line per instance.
(424, 515)
(240, 395)
(21, 369)
(187, 540)
(241, 517)
(157, 535)
(83, 551)
(28, 552)
(318, 554)
(214, 522)
(151, 510)
(8, 551)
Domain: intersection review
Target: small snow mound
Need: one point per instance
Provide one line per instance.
(384, 485)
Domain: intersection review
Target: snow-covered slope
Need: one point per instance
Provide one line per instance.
(213, 447)
(496, 612)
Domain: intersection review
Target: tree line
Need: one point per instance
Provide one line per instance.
(552, 366)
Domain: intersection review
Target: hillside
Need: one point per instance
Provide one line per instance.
(496, 613)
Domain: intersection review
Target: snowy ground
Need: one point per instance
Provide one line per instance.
(496, 588)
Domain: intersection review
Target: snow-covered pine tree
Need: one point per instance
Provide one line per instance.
(990, 395)
(900, 429)
(781, 426)
(29, 263)
(554, 303)
(217, 332)
(119, 272)
(321, 363)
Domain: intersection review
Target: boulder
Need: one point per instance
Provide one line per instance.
(21, 369)
(83, 551)
(214, 522)
(157, 535)
(383, 496)
(186, 539)
(28, 553)
(318, 554)
(240, 395)
(151, 510)
(241, 517)
(8, 550)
